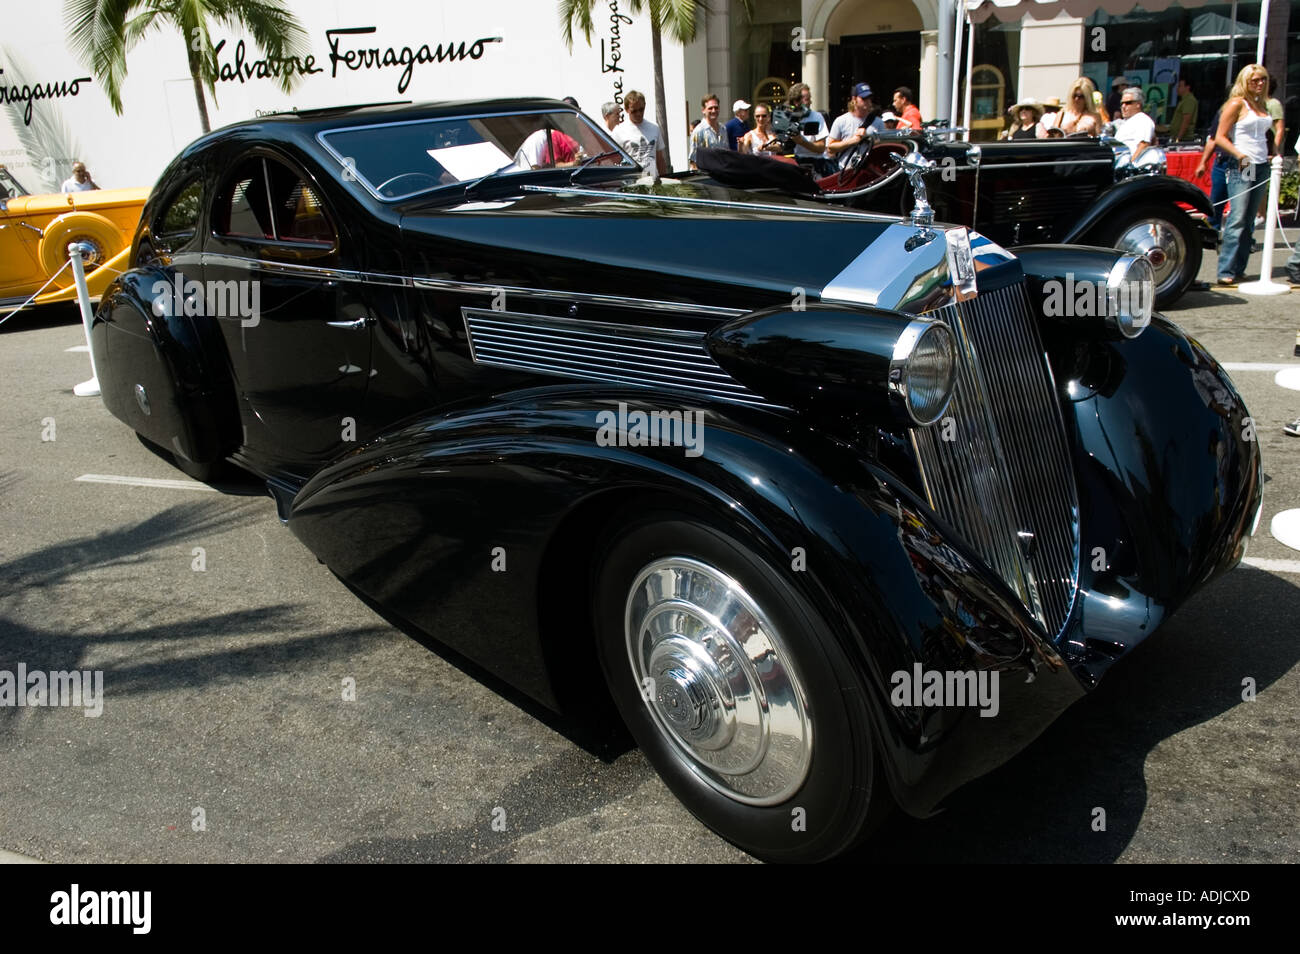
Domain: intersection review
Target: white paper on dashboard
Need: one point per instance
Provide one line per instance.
(472, 160)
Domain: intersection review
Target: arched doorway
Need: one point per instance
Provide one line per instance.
(885, 43)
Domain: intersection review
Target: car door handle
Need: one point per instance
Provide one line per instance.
(355, 325)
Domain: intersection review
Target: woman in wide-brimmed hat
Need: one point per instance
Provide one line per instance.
(1027, 114)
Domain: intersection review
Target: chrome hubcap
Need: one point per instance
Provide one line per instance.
(96, 256)
(1161, 244)
(718, 681)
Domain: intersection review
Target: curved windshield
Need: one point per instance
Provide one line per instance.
(396, 160)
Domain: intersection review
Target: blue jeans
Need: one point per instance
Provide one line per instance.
(1218, 192)
(1245, 192)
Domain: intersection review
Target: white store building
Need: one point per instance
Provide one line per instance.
(358, 53)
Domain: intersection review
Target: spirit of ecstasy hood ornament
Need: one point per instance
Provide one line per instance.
(915, 166)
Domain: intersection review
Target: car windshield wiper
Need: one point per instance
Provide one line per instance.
(573, 176)
(473, 186)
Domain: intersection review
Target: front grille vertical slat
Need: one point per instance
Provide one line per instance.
(1009, 469)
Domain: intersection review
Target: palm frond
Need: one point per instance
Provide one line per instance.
(677, 19)
(576, 12)
(140, 25)
(96, 33)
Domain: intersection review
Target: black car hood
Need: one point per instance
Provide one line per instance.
(607, 238)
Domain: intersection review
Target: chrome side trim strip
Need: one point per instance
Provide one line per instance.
(440, 284)
(616, 301)
(715, 203)
(293, 268)
(1036, 165)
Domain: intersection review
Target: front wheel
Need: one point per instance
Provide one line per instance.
(1164, 235)
(735, 690)
(206, 473)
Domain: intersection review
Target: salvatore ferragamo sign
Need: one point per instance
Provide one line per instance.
(348, 52)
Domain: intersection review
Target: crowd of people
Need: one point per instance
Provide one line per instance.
(1245, 132)
(824, 147)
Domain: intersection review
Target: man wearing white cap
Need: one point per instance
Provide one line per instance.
(738, 124)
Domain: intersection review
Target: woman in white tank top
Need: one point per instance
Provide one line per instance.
(1244, 131)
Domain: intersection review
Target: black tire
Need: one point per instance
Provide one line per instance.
(1180, 275)
(843, 793)
(204, 473)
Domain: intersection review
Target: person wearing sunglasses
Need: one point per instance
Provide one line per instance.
(1135, 128)
(1079, 116)
(762, 140)
(1244, 130)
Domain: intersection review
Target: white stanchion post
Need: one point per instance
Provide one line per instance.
(1266, 285)
(77, 252)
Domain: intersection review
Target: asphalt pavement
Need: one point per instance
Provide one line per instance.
(226, 649)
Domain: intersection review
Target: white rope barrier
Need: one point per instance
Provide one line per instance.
(36, 294)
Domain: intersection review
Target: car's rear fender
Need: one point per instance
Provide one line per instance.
(459, 522)
(161, 372)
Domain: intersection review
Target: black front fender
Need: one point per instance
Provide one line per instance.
(1134, 191)
(1169, 475)
(446, 522)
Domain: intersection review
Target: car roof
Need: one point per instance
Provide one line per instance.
(301, 127)
(312, 121)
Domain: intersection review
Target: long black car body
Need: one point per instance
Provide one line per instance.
(826, 506)
(1083, 191)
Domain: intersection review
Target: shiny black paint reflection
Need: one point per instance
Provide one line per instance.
(825, 359)
(412, 521)
(1166, 499)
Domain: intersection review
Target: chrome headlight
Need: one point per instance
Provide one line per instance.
(923, 369)
(1152, 161)
(1131, 293)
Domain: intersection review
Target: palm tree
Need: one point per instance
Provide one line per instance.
(678, 16)
(102, 32)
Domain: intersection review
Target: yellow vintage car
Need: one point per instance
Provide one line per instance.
(35, 231)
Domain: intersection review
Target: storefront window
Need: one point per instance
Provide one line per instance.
(993, 77)
(1155, 50)
(764, 63)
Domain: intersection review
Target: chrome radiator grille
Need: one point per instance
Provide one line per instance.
(1006, 482)
(600, 351)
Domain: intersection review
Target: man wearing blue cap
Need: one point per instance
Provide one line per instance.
(849, 130)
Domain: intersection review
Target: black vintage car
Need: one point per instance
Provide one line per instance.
(834, 511)
(1077, 190)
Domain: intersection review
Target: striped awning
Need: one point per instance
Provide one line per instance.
(1008, 10)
